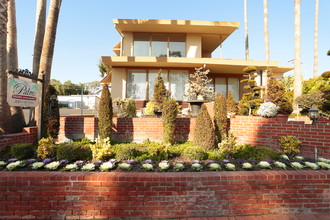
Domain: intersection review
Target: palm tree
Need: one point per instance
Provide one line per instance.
(49, 40)
(5, 121)
(104, 69)
(316, 38)
(328, 53)
(38, 42)
(12, 63)
(297, 54)
(246, 31)
(266, 35)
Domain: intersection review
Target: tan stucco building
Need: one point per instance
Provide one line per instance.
(176, 47)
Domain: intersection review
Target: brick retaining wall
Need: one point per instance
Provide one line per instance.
(29, 135)
(81, 195)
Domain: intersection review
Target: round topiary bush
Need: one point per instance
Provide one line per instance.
(194, 153)
(23, 151)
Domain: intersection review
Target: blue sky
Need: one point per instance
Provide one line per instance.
(86, 32)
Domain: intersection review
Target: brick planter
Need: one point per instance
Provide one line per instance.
(81, 195)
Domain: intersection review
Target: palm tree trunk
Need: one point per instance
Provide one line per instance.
(297, 55)
(38, 42)
(246, 31)
(17, 115)
(266, 33)
(316, 38)
(5, 119)
(49, 40)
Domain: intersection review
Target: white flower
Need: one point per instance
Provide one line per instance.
(37, 165)
(298, 158)
(230, 166)
(324, 165)
(71, 167)
(280, 164)
(13, 165)
(247, 166)
(313, 166)
(125, 166)
(178, 166)
(163, 166)
(215, 166)
(196, 166)
(2, 163)
(268, 109)
(323, 160)
(147, 166)
(88, 167)
(106, 166)
(285, 157)
(264, 164)
(297, 165)
(52, 165)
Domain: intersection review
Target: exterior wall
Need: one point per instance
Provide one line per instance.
(194, 45)
(73, 101)
(127, 44)
(29, 135)
(118, 85)
(113, 195)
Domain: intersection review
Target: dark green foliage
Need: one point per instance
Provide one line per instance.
(105, 113)
(220, 118)
(157, 152)
(231, 104)
(169, 113)
(23, 151)
(160, 92)
(51, 114)
(73, 151)
(277, 94)
(215, 155)
(306, 101)
(251, 99)
(126, 151)
(203, 133)
(194, 153)
(177, 149)
(248, 151)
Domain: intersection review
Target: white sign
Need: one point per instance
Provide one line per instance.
(22, 93)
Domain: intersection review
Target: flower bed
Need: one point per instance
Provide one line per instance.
(74, 195)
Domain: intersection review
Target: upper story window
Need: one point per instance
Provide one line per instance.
(159, 45)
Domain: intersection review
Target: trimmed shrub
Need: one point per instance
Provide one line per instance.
(157, 152)
(231, 104)
(220, 118)
(203, 133)
(248, 151)
(73, 151)
(290, 145)
(170, 111)
(160, 92)
(126, 151)
(23, 151)
(45, 147)
(194, 153)
(126, 107)
(51, 114)
(215, 155)
(307, 101)
(105, 113)
(228, 145)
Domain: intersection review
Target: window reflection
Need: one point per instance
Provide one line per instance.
(136, 85)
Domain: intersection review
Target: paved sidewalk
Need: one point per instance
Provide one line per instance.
(265, 217)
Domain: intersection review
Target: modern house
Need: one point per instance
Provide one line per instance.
(176, 47)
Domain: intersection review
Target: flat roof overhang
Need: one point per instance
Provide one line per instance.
(215, 65)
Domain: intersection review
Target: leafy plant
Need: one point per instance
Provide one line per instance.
(105, 113)
(194, 153)
(170, 111)
(307, 101)
(268, 109)
(228, 145)
(248, 151)
(290, 145)
(220, 118)
(251, 99)
(231, 104)
(126, 151)
(73, 151)
(151, 108)
(203, 133)
(23, 151)
(160, 92)
(101, 149)
(126, 107)
(51, 114)
(45, 147)
(198, 89)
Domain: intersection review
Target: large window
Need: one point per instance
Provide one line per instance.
(141, 83)
(159, 45)
(224, 85)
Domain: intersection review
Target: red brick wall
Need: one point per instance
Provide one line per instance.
(267, 131)
(82, 195)
(29, 135)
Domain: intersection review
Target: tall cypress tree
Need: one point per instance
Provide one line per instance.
(160, 92)
(220, 118)
(203, 133)
(105, 113)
